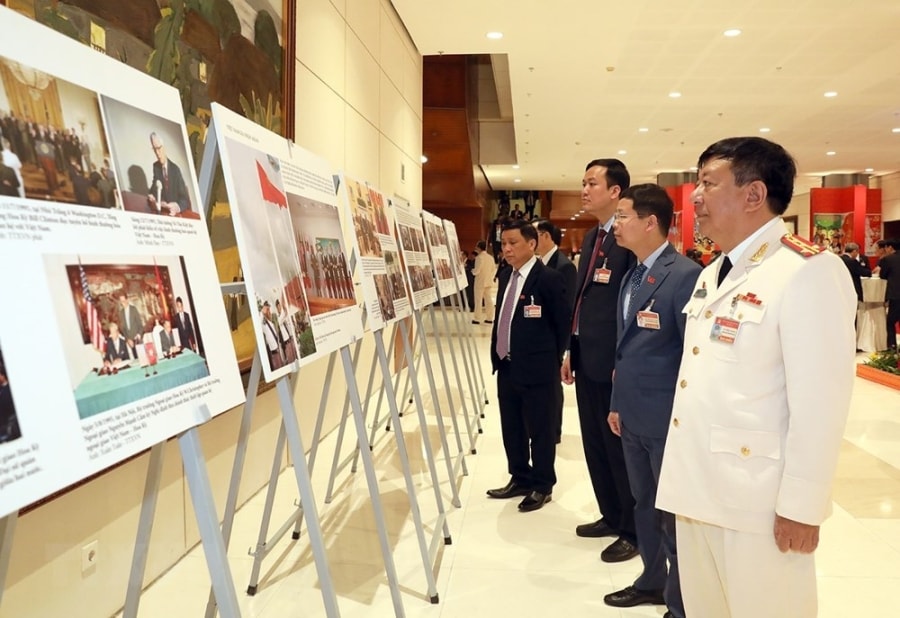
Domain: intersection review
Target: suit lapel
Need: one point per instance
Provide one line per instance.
(531, 280)
(654, 279)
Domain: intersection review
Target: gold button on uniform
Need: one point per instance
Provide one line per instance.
(696, 350)
(708, 314)
(683, 383)
(745, 451)
(675, 422)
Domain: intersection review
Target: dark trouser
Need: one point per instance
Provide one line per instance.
(604, 457)
(527, 414)
(560, 401)
(893, 316)
(655, 528)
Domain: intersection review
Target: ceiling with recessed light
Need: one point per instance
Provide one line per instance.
(585, 77)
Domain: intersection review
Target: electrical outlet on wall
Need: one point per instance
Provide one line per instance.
(89, 555)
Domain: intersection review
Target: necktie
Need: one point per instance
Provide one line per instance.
(637, 277)
(509, 303)
(588, 275)
(165, 177)
(723, 270)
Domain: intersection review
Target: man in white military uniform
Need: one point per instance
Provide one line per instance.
(762, 397)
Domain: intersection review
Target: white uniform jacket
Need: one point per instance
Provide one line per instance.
(756, 425)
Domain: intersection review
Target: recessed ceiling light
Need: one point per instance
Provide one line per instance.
(424, 159)
(895, 130)
(674, 95)
(732, 32)
(515, 167)
(831, 153)
(870, 169)
(495, 35)
(693, 168)
(623, 152)
(643, 130)
(517, 180)
(830, 94)
(571, 218)
(765, 130)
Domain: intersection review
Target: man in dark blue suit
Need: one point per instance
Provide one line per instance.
(650, 326)
(528, 340)
(592, 355)
(549, 238)
(168, 192)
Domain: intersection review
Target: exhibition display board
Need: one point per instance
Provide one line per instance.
(113, 337)
(415, 253)
(457, 259)
(378, 264)
(289, 231)
(436, 239)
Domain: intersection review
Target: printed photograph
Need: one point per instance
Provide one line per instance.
(129, 330)
(320, 251)
(9, 422)
(364, 220)
(53, 144)
(151, 161)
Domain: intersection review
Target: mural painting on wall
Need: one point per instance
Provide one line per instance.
(228, 51)
(832, 231)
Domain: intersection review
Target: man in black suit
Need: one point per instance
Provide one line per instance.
(648, 354)
(168, 192)
(890, 270)
(528, 340)
(185, 326)
(592, 355)
(857, 270)
(117, 347)
(549, 237)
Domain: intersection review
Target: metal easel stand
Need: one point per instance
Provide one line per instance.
(7, 532)
(440, 354)
(472, 349)
(452, 469)
(472, 376)
(473, 422)
(336, 464)
(207, 523)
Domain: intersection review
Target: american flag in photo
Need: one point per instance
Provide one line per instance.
(90, 311)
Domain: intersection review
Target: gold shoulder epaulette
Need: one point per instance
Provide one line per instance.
(801, 245)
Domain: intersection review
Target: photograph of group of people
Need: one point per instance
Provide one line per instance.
(9, 422)
(367, 222)
(320, 250)
(52, 139)
(130, 330)
(287, 335)
(420, 277)
(411, 238)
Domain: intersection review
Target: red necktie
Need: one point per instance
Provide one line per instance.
(588, 275)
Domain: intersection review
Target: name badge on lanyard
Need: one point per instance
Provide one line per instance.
(647, 318)
(602, 274)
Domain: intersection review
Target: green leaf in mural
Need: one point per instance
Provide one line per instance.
(267, 116)
(165, 57)
(265, 36)
(54, 19)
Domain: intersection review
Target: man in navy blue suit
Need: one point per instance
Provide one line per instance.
(650, 327)
(528, 340)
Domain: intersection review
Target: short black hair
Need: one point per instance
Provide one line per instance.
(650, 199)
(616, 172)
(178, 300)
(755, 158)
(543, 225)
(525, 227)
(481, 245)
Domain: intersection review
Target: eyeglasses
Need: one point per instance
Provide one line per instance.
(621, 217)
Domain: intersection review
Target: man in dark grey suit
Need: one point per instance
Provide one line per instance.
(592, 354)
(890, 270)
(528, 340)
(648, 354)
(549, 238)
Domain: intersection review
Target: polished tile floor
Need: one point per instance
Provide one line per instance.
(505, 563)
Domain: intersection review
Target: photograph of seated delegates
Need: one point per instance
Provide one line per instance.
(129, 333)
(45, 156)
(650, 337)
(365, 223)
(528, 339)
(151, 161)
(421, 278)
(9, 422)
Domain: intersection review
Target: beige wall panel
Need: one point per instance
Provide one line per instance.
(320, 42)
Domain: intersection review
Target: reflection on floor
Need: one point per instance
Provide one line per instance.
(505, 563)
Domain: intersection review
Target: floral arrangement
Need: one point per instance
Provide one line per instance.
(888, 361)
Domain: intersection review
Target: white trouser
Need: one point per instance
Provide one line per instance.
(483, 293)
(730, 574)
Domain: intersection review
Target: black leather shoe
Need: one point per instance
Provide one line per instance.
(595, 529)
(511, 490)
(631, 596)
(620, 551)
(533, 501)
(668, 615)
